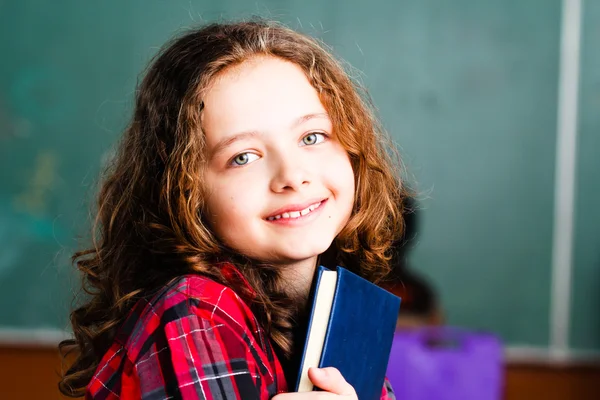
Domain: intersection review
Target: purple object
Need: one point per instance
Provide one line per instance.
(446, 364)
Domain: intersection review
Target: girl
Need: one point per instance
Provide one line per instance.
(249, 160)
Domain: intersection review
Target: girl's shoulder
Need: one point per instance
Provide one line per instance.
(193, 330)
(189, 297)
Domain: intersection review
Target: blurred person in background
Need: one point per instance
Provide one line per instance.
(420, 302)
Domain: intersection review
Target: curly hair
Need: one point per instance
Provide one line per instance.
(149, 227)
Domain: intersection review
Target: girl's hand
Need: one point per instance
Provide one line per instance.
(330, 380)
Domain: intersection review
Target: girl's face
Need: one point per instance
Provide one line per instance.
(280, 185)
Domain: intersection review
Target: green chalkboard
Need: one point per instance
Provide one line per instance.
(468, 89)
(55, 80)
(585, 326)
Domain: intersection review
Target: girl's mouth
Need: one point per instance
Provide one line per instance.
(290, 215)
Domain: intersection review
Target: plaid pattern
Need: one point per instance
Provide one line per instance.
(196, 339)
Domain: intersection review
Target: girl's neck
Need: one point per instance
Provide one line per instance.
(297, 278)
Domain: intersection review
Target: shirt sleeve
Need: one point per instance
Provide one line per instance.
(201, 341)
(210, 360)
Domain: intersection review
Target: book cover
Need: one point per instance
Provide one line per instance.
(351, 327)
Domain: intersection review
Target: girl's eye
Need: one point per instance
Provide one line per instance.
(313, 138)
(243, 159)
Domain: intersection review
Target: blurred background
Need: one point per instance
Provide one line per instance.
(494, 104)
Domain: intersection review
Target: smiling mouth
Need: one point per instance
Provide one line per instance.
(296, 214)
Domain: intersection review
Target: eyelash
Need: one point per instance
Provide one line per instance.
(325, 137)
(323, 134)
(234, 165)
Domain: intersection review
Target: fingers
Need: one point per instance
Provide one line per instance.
(331, 380)
(328, 379)
(305, 396)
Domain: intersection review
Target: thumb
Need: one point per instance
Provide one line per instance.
(331, 380)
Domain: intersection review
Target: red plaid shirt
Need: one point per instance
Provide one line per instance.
(196, 339)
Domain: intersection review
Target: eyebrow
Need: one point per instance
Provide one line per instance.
(228, 141)
(308, 117)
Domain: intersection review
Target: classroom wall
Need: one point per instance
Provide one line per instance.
(468, 89)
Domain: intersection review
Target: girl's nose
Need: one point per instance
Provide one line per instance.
(289, 174)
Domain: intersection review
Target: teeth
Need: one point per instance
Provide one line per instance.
(312, 207)
(295, 214)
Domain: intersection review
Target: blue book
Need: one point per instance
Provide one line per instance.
(351, 327)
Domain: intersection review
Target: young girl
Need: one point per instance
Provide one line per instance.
(249, 160)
